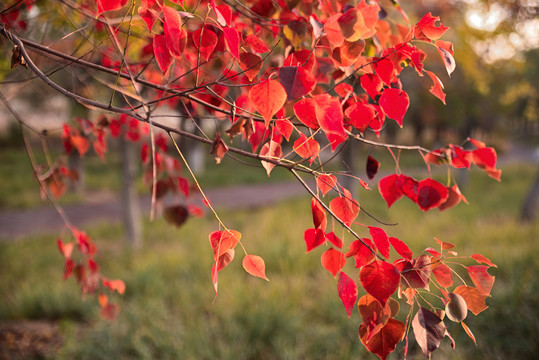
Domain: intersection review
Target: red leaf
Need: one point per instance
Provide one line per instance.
(174, 33)
(431, 194)
(333, 261)
(330, 117)
(429, 330)
(285, 127)
(161, 52)
(218, 148)
(313, 238)
(205, 41)
(347, 290)
(267, 97)
(319, 215)
(345, 208)
(297, 81)
(176, 215)
(109, 5)
(326, 182)
(223, 14)
(437, 86)
(334, 240)
(255, 266)
(445, 245)
(372, 167)
(232, 39)
(380, 240)
(115, 285)
(482, 280)
(385, 341)
(453, 199)
(361, 115)
(445, 49)
(272, 150)
(468, 331)
(415, 273)
(68, 268)
(389, 189)
(385, 70)
(380, 279)
(222, 241)
(474, 300)
(250, 64)
(426, 27)
(483, 260)
(372, 84)
(65, 249)
(256, 44)
(401, 248)
(307, 148)
(442, 273)
(363, 254)
(394, 103)
(305, 111)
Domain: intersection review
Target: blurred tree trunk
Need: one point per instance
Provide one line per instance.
(349, 158)
(530, 208)
(130, 204)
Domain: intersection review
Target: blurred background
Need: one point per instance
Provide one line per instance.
(168, 311)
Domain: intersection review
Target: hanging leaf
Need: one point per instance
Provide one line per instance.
(347, 290)
(474, 300)
(333, 261)
(205, 41)
(175, 34)
(380, 239)
(429, 330)
(109, 5)
(483, 260)
(390, 189)
(272, 150)
(319, 215)
(313, 238)
(431, 194)
(297, 81)
(443, 274)
(176, 215)
(255, 43)
(426, 28)
(255, 266)
(380, 279)
(307, 148)
(394, 103)
(161, 52)
(372, 167)
(386, 340)
(305, 111)
(250, 64)
(330, 117)
(437, 86)
(372, 84)
(267, 97)
(232, 39)
(363, 254)
(401, 248)
(325, 182)
(468, 331)
(345, 208)
(332, 238)
(445, 49)
(482, 280)
(218, 148)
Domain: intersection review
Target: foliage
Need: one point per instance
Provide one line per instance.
(295, 81)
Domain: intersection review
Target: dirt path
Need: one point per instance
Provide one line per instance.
(15, 224)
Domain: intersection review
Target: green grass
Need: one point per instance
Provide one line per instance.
(168, 310)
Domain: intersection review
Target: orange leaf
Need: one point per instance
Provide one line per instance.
(268, 97)
(272, 150)
(474, 300)
(386, 340)
(255, 266)
(333, 261)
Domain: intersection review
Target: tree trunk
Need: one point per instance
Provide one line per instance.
(530, 208)
(129, 198)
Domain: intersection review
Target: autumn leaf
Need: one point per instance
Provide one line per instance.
(267, 97)
(333, 261)
(482, 280)
(380, 239)
(218, 148)
(429, 330)
(347, 290)
(326, 182)
(255, 266)
(271, 150)
(176, 215)
(109, 5)
(297, 81)
(474, 300)
(380, 279)
(250, 64)
(394, 103)
(384, 341)
(313, 238)
(345, 207)
(232, 39)
(372, 167)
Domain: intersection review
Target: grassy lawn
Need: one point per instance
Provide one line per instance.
(168, 310)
